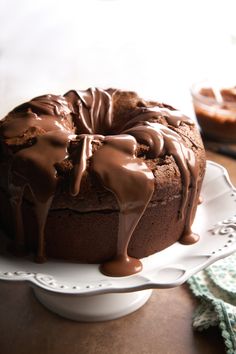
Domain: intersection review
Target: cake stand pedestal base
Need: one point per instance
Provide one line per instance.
(93, 308)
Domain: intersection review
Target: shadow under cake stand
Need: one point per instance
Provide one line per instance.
(80, 292)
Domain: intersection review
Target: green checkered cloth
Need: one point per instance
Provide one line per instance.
(215, 287)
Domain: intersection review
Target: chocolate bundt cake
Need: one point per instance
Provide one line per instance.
(98, 176)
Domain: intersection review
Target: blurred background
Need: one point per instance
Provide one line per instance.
(158, 48)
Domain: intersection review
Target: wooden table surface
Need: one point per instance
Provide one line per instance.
(161, 326)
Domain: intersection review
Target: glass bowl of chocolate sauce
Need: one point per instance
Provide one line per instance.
(215, 109)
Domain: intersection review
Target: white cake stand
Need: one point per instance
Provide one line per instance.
(80, 292)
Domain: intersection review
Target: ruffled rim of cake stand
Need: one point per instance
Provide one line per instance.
(215, 222)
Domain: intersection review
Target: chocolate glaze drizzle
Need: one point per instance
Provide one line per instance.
(50, 124)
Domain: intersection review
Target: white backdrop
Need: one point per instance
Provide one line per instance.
(158, 48)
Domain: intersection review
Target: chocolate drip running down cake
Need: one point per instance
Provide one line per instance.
(99, 176)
